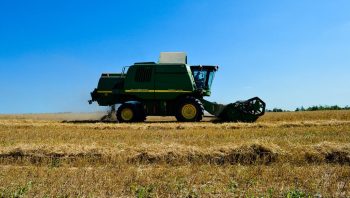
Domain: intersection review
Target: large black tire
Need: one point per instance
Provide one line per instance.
(189, 109)
(131, 112)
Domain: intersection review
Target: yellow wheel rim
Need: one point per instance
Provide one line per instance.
(189, 111)
(127, 114)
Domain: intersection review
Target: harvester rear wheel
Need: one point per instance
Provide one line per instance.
(189, 109)
(131, 112)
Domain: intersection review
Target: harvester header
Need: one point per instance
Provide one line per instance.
(170, 87)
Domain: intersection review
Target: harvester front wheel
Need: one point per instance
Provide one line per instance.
(189, 109)
(129, 112)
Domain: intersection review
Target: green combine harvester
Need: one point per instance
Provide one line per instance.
(170, 87)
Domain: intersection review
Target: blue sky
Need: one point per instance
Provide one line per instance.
(289, 53)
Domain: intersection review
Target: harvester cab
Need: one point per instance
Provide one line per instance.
(203, 76)
(170, 87)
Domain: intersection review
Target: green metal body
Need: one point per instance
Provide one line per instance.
(157, 86)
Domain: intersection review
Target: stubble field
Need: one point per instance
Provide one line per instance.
(74, 155)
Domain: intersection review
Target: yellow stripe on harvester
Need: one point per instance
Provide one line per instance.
(171, 90)
(157, 91)
(105, 92)
(139, 90)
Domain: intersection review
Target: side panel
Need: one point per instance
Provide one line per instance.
(172, 81)
(108, 88)
(158, 85)
(139, 81)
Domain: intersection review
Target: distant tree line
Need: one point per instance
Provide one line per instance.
(312, 108)
(320, 107)
(276, 110)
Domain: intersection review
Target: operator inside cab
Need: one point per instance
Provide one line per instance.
(200, 78)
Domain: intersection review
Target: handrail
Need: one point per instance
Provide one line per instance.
(123, 70)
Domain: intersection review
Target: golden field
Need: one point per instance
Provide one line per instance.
(291, 154)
